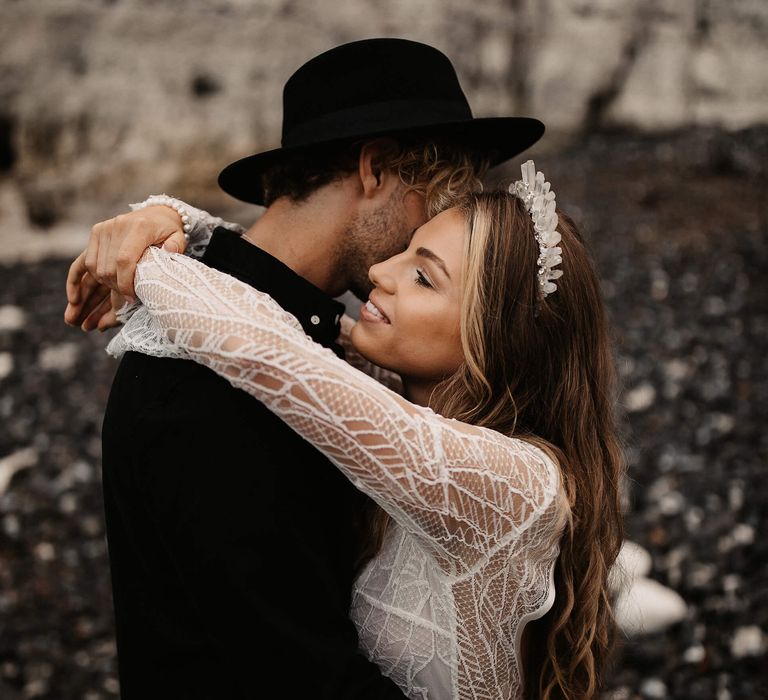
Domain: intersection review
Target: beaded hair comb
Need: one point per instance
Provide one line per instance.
(539, 201)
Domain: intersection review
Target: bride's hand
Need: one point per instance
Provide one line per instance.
(99, 306)
(109, 263)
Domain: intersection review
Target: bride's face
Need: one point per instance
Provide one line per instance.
(411, 321)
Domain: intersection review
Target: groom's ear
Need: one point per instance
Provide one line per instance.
(374, 177)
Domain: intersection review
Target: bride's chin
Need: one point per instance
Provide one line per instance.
(365, 345)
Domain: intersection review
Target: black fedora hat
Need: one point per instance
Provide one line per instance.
(377, 87)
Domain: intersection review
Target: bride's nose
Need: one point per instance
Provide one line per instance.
(380, 275)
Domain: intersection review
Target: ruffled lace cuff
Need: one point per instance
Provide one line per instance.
(138, 332)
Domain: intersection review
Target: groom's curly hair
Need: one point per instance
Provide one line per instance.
(437, 169)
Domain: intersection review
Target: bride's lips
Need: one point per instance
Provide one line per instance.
(371, 312)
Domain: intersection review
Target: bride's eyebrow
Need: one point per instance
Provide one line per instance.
(429, 255)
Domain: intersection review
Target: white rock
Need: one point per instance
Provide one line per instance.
(676, 557)
(748, 641)
(645, 607)
(82, 471)
(640, 398)
(21, 459)
(78, 472)
(743, 534)
(620, 693)
(35, 688)
(676, 370)
(659, 488)
(736, 495)
(671, 503)
(58, 358)
(91, 525)
(723, 422)
(701, 574)
(693, 518)
(6, 364)
(633, 562)
(11, 318)
(11, 525)
(45, 551)
(694, 654)
(653, 688)
(68, 503)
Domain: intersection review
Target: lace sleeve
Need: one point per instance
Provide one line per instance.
(464, 490)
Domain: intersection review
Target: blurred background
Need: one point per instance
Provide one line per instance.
(657, 145)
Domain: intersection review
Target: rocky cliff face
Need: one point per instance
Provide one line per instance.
(103, 102)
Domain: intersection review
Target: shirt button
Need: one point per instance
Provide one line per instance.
(315, 320)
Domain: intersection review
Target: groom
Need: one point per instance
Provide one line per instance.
(234, 543)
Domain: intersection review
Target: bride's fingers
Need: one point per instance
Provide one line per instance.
(96, 314)
(76, 271)
(105, 274)
(108, 320)
(93, 302)
(100, 235)
(84, 292)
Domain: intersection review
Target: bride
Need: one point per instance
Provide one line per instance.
(496, 464)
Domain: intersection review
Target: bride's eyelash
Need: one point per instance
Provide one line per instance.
(420, 279)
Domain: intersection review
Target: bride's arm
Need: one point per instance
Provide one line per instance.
(96, 281)
(464, 490)
(200, 226)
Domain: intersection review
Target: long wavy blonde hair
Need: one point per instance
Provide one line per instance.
(543, 370)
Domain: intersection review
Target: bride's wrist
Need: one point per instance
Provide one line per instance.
(181, 209)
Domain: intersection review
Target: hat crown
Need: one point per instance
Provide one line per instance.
(372, 88)
(363, 78)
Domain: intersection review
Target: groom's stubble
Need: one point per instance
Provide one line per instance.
(372, 237)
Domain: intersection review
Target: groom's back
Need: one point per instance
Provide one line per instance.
(232, 542)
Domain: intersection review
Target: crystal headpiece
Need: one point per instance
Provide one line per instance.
(539, 201)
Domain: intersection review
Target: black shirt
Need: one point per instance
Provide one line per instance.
(231, 574)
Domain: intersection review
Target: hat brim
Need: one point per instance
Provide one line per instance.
(495, 138)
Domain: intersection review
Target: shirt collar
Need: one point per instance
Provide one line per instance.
(318, 313)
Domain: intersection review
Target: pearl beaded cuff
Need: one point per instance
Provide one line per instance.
(177, 205)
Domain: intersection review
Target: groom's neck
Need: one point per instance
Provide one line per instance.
(306, 236)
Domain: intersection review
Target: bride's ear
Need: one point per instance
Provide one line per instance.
(375, 180)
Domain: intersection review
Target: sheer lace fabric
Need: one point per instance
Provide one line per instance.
(477, 516)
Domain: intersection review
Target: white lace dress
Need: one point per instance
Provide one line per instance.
(477, 516)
